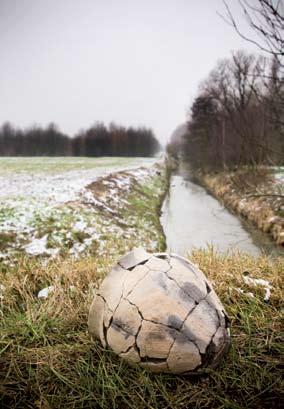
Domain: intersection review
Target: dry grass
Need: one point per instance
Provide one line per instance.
(47, 359)
(248, 179)
(254, 194)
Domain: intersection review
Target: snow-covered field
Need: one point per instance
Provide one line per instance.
(38, 214)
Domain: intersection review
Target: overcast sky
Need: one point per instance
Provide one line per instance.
(135, 62)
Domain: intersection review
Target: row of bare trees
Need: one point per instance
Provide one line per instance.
(33, 141)
(98, 140)
(265, 21)
(115, 140)
(237, 117)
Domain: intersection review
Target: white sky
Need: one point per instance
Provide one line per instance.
(133, 62)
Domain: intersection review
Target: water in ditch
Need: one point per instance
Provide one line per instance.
(192, 218)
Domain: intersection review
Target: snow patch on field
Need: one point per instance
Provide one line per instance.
(38, 246)
(44, 293)
(256, 283)
(42, 212)
(259, 282)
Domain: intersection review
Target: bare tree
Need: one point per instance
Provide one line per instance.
(230, 121)
(237, 89)
(266, 19)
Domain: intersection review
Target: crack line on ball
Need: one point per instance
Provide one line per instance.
(188, 263)
(182, 289)
(170, 350)
(103, 298)
(132, 303)
(136, 284)
(111, 320)
(153, 322)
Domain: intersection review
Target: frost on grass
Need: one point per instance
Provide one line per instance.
(50, 207)
(161, 312)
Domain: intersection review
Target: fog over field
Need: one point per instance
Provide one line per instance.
(129, 61)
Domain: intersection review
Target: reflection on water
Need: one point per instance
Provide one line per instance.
(191, 218)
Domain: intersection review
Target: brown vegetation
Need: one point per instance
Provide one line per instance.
(254, 195)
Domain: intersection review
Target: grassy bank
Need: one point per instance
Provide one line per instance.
(256, 194)
(47, 359)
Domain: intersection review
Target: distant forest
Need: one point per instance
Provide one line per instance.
(98, 140)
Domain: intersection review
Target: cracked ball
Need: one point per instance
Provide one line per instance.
(161, 312)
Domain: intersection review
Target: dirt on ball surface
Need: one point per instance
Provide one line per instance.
(161, 312)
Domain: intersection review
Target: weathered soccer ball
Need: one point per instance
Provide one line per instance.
(160, 312)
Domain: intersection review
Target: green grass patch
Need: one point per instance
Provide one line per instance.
(6, 239)
(53, 165)
(145, 203)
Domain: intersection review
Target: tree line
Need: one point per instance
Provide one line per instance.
(98, 140)
(237, 117)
